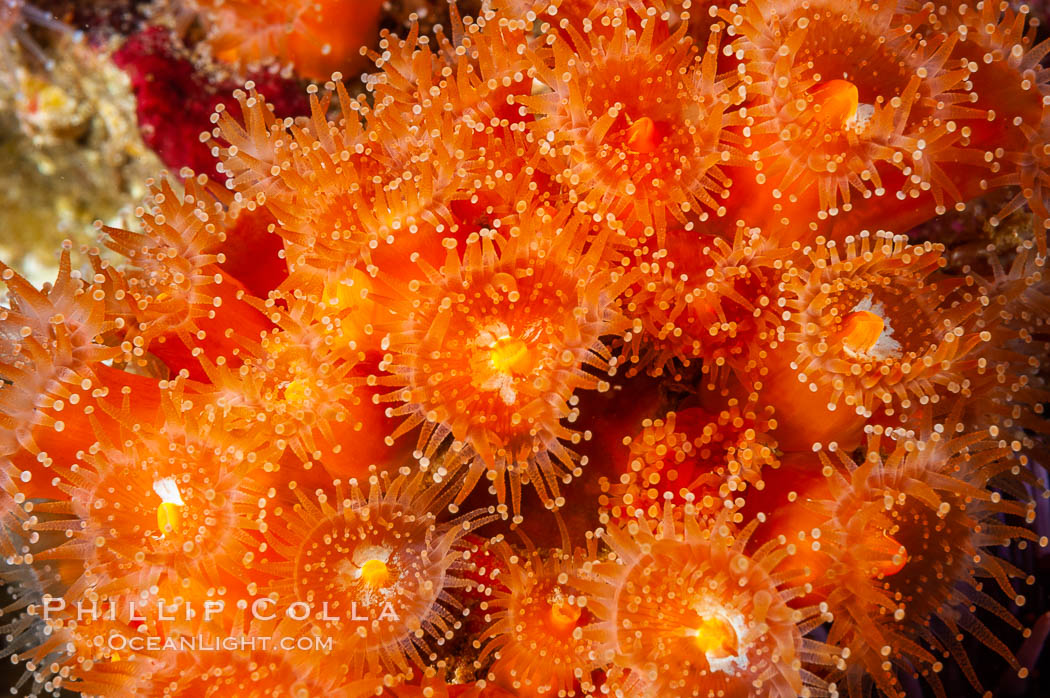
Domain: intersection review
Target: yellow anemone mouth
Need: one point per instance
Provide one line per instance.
(564, 615)
(861, 331)
(892, 555)
(716, 637)
(835, 103)
(296, 391)
(168, 517)
(510, 355)
(643, 136)
(375, 573)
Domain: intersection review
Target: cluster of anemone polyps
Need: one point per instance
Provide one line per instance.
(593, 349)
(313, 38)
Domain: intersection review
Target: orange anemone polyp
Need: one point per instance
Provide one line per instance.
(172, 505)
(871, 327)
(536, 615)
(634, 132)
(849, 105)
(693, 455)
(684, 610)
(487, 353)
(704, 298)
(52, 377)
(907, 528)
(380, 548)
(315, 37)
(183, 303)
(74, 655)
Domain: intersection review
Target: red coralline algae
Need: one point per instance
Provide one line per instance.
(174, 99)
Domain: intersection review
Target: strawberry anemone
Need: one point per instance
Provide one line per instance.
(27, 584)
(638, 131)
(379, 184)
(692, 456)
(466, 86)
(907, 528)
(440, 687)
(265, 668)
(170, 505)
(534, 639)
(1009, 388)
(263, 160)
(74, 653)
(473, 75)
(585, 15)
(683, 611)
(844, 101)
(999, 41)
(53, 343)
(180, 304)
(67, 644)
(702, 297)
(447, 269)
(1028, 170)
(869, 327)
(315, 37)
(375, 565)
(304, 383)
(487, 353)
(342, 190)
